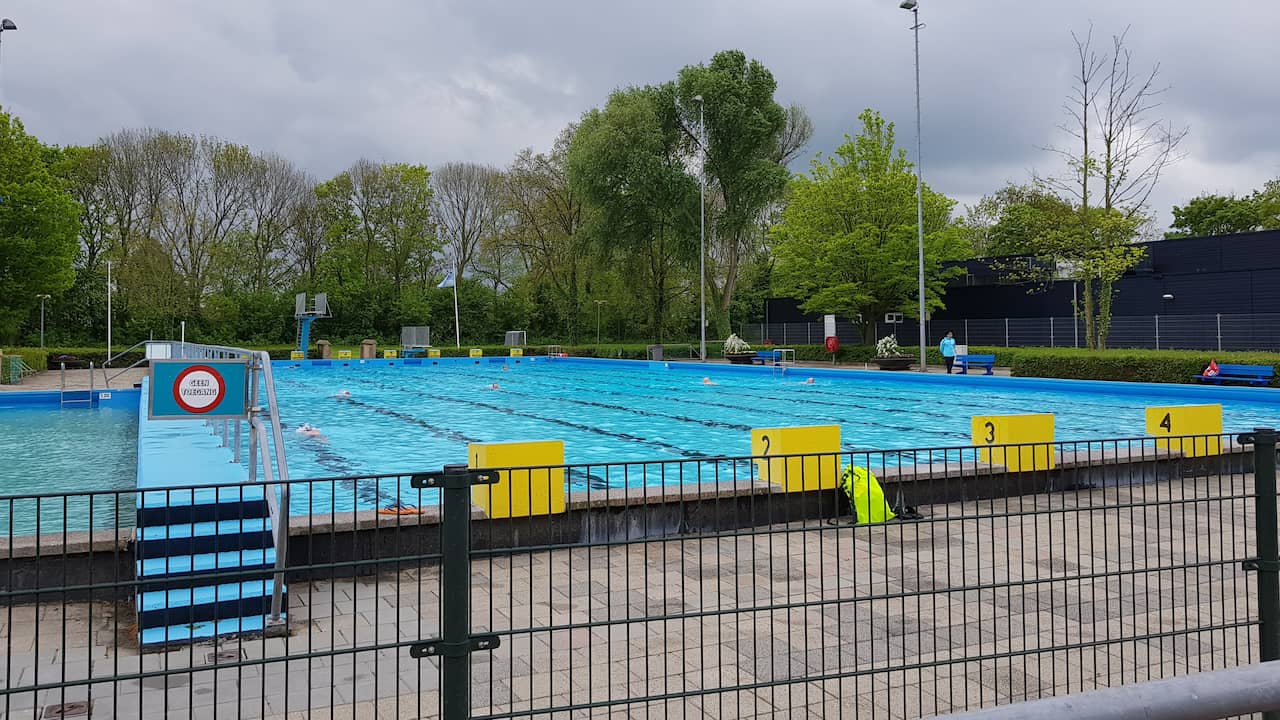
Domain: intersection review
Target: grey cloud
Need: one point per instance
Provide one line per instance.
(326, 83)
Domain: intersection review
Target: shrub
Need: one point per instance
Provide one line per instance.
(1155, 366)
(734, 345)
(33, 357)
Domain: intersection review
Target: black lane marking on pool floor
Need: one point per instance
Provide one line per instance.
(634, 411)
(692, 454)
(738, 391)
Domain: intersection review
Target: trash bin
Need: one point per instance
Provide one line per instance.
(655, 352)
(322, 347)
(368, 349)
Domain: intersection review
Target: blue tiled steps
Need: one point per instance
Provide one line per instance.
(203, 558)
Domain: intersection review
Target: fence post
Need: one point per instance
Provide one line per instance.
(1006, 332)
(1075, 326)
(1050, 331)
(966, 331)
(1268, 544)
(1219, 332)
(1157, 331)
(456, 642)
(784, 333)
(808, 333)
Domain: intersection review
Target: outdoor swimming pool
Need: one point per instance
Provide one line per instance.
(405, 418)
(54, 450)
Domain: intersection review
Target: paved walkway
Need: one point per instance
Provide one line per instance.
(78, 380)
(985, 603)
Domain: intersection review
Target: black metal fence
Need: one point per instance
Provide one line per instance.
(1253, 331)
(720, 587)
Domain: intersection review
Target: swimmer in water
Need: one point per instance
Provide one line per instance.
(494, 386)
(807, 382)
(311, 432)
(343, 394)
(505, 368)
(708, 381)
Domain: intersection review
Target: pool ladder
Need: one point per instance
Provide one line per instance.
(74, 397)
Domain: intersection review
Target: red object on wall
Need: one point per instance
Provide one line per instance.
(833, 344)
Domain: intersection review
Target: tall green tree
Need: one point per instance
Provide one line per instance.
(1207, 215)
(746, 149)
(847, 243)
(629, 161)
(39, 226)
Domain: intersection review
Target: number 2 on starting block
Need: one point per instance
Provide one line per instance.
(1172, 425)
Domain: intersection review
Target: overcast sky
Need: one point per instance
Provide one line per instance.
(407, 80)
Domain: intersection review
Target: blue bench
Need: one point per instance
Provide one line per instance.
(983, 361)
(1247, 374)
(767, 357)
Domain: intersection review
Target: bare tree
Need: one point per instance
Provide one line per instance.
(795, 135)
(307, 243)
(466, 210)
(1121, 146)
(278, 190)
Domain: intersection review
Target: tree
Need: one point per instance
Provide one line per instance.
(1268, 202)
(1120, 152)
(467, 210)
(847, 242)
(748, 139)
(546, 230)
(1007, 222)
(629, 162)
(1207, 215)
(39, 224)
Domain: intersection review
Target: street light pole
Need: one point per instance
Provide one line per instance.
(702, 228)
(42, 297)
(913, 5)
(598, 304)
(5, 24)
(108, 309)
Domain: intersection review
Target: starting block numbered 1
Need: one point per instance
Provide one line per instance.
(1193, 430)
(992, 433)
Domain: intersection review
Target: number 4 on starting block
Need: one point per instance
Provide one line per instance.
(1193, 430)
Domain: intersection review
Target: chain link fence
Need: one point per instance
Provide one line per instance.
(1257, 331)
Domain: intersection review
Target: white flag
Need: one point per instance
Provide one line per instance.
(447, 282)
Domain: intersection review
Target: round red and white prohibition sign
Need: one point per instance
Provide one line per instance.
(199, 389)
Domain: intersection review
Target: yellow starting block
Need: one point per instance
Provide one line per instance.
(798, 473)
(991, 432)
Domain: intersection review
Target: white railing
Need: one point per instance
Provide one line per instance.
(260, 446)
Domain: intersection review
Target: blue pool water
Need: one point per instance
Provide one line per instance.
(52, 450)
(406, 418)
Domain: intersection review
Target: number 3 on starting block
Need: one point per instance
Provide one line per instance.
(992, 433)
(1172, 425)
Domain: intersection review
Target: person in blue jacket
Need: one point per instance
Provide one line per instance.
(948, 349)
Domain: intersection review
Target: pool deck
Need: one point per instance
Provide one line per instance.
(77, 380)
(1144, 621)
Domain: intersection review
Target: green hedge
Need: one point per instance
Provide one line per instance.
(1156, 366)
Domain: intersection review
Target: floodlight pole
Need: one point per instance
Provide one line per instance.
(109, 309)
(44, 297)
(702, 229)
(913, 6)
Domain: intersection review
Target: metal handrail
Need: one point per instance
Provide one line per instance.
(1198, 696)
(259, 367)
(106, 380)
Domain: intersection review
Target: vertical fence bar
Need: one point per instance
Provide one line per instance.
(784, 333)
(808, 333)
(1219, 332)
(1075, 326)
(1157, 331)
(966, 331)
(1268, 542)
(455, 593)
(1050, 331)
(1006, 332)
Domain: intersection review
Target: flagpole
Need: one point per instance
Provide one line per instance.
(457, 325)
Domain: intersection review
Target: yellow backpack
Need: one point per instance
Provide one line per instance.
(866, 496)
